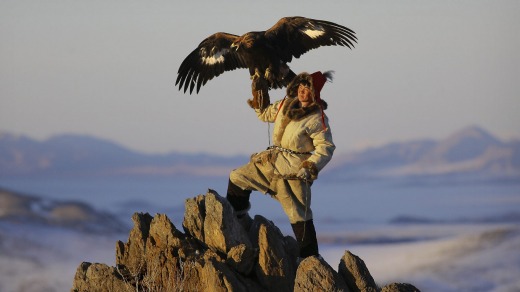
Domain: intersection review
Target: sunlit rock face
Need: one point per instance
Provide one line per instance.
(215, 253)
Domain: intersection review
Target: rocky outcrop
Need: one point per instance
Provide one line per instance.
(215, 253)
(354, 271)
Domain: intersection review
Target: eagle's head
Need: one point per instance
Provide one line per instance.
(235, 45)
(245, 41)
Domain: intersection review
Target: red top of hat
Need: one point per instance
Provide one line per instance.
(318, 81)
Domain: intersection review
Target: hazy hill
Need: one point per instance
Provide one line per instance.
(470, 151)
(33, 211)
(83, 155)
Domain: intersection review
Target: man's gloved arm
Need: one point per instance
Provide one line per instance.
(260, 90)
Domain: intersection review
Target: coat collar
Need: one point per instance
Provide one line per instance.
(295, 112)
(292, 111)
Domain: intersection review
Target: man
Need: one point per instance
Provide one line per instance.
(302, 146)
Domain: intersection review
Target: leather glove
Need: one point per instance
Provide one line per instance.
(260, 91)
(304, 174)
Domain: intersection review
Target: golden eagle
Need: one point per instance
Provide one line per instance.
(264, 53)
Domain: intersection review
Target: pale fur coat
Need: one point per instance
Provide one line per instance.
(301, 130)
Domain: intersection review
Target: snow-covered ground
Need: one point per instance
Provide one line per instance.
(466, 257)
(45, 258)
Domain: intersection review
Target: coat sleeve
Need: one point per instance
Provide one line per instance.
(323, 148)
(269, 113)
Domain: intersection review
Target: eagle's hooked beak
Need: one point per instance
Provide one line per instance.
(235, 45)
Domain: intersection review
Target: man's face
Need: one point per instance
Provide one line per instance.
(304, 94)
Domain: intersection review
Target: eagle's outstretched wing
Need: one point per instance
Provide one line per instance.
(266, 51)
(294, 36)
(211, 58)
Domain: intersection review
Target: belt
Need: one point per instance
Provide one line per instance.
(286, 150)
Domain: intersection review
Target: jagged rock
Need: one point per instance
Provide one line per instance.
(163, 233)
(275, 269)
(355, 273)
(162, 259)
(98, 277)
(131, 254)
(242, 258)
(195, 211)
(315, 274)
(208, 275)
(216, 254)
(220, 230)
(399, 287)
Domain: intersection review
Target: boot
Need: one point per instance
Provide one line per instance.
(306, 238)
(239, 199)
(244, 219)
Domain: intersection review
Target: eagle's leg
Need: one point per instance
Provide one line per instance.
(260, 90)
(268, 75)
(257, 75)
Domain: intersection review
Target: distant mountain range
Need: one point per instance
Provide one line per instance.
(79, 155)
(469, 152)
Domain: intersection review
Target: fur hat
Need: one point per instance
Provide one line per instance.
(316, 80)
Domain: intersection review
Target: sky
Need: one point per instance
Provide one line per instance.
(108, 69)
